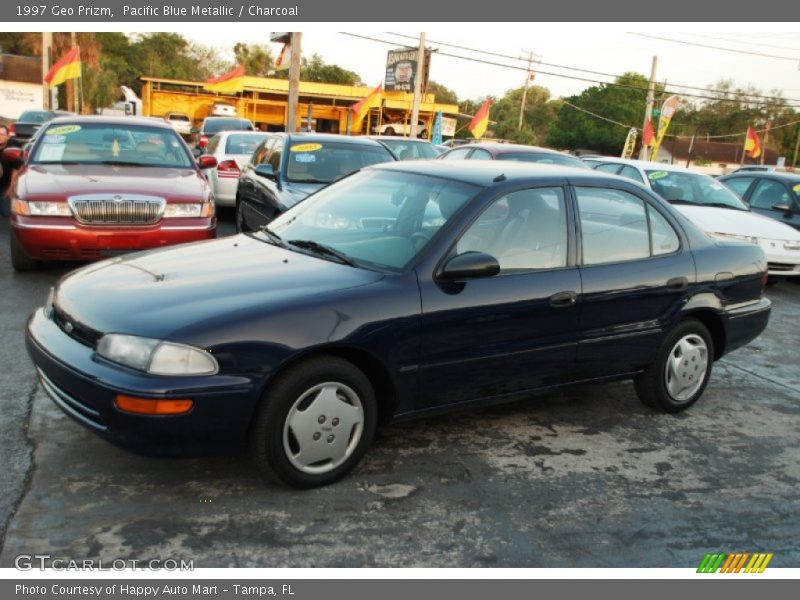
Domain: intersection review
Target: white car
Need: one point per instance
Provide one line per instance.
(180, 122)
(421, 130)
(714, 208)
(233, 150)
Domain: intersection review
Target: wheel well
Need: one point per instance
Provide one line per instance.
(371, 367)
(713, 323)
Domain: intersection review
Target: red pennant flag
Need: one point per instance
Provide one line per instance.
(752, 144)
(647, 135)
(230, 82)
(477, 127)
(67, 67)
(361, 107)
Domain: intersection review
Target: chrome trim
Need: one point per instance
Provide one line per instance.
(186, 227)
(136, 204)
(26, 226)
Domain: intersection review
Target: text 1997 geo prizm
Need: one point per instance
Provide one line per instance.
(402, 290)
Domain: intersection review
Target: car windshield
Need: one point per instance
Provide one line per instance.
(406, 150)
(796, 190)
(177, 117)
(544, 158)
(223, 124)
(243, 143)
(104, 143)
(324, 161)
(683, 187)
(35, 116)
(375, 219)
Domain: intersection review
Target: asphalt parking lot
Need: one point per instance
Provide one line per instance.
(587, 477)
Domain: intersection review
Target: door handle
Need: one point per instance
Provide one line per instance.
(677, 283)
(563, 299)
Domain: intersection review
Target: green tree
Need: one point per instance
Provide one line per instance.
(539, 112)
(316, 69)
(256, 58)
(624, 103)
(444, 95)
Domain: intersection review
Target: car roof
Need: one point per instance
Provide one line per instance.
(485, 172)
(77, 120)
(784, 175)
(650, 165)
(503, 148)
(395, 138)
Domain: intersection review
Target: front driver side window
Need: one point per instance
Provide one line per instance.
(524, 230)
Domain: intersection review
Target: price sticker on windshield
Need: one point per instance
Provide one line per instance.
(797, 188)
(63, 130)
(306, 148)
(305, 158)
(657, 175)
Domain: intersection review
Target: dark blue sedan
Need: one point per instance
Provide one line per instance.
(403, 290)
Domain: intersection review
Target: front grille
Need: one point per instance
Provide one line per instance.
(77, 331)
(781, 267)
(98, 209)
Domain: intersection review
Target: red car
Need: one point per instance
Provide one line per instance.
(93, 187)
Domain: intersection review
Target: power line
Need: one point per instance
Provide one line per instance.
(656, 37)
(749, 43)
(562, 75)
(591, 72)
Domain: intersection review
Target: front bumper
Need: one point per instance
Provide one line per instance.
(744, 323)
(59, 238)
(85, 387)
(780, 261)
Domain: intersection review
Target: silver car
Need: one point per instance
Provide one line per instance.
(233, 150)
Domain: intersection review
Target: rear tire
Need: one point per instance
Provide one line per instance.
(19, 258)
(315, 422)
(678, 376)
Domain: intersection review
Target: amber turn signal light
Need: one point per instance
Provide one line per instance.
(149, 406)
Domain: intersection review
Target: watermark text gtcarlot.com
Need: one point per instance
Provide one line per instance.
(30, 562)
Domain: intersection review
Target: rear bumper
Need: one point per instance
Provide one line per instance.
(45, 238)
(84, 387)
(745, 323)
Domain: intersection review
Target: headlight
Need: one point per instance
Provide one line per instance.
(156, 356)
(791, 245)
(733, 236)
(183, 210)
(42, 209)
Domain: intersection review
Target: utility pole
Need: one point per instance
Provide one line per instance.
(766, 139)
(651, 92)
(75, 100)
(47, 42)
(796, 148)
(525, 91)
(417, 86)
(294, 83)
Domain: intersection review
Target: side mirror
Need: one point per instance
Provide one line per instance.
(197, 152)
(266, 170)
(207, 162)
(194, 130)
(470, 265)
(13, 156)
(785, 208)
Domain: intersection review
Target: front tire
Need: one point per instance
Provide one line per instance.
(19, 258)
(681, 370)
(315, 423)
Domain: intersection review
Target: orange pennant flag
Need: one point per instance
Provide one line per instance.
(477, 127)
(752, 144)
(67, 67)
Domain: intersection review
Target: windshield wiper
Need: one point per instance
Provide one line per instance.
(124, 163)
(273, 237)
(323, 249)
(307, 181)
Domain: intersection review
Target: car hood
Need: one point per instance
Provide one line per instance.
(159, 292)
(63, 181)
(737, 222)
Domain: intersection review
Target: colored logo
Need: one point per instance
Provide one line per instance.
(735, 563)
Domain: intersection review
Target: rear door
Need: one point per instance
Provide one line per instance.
(635, 269)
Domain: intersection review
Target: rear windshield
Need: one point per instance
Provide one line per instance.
(545, 158)
(243, 143)
(35, 116)
(323, 162)
(406, 150)
(103, 143)
(174, 117)
(217, 125)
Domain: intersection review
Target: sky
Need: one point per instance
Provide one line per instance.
(612, 49)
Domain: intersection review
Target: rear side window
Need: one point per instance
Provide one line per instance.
(631, 173)
(617, 226)
(608, 168)
(243, 143)
(768, 193)
(457, 154)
